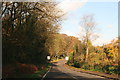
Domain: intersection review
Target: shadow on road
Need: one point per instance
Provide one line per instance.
(72, 79)
(56, 74)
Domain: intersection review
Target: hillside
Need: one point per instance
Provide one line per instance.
(63, 45)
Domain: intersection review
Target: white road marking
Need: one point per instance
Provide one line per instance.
(46, 73)
(74, 77)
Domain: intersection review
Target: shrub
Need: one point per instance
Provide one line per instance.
(113, 69)
(110, 69)
(25, 68)
(14, 70)
(8, 70)
(70, 63)
(98, 67)
(85, 65)
(81, 64)
(76, 64)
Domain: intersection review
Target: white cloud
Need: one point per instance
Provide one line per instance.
(74, 21)
(71, 5)
(81, 31)
(96, 42)
(69, 33)
(103, 0)
(97, 38)
(100, 42)
(110, 26)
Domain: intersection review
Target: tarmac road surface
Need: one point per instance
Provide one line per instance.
(59, 72)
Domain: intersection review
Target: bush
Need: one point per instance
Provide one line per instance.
(98, 67)
(15, 70)
(70, 63)
(84, 65)
(76, 64)
(25, 68)
(112, 69)
(8, 70)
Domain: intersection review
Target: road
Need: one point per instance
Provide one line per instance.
(59, 72)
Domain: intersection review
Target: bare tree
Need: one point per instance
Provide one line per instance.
(88, 24)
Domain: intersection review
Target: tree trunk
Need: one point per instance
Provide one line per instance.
(86, 58)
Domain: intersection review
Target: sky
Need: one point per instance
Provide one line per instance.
(105, 15)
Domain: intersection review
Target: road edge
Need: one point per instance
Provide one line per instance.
(46, 73)
(89, 72)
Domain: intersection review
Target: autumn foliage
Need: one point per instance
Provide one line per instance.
(27, 33)
(101, 58)
(14, 70)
